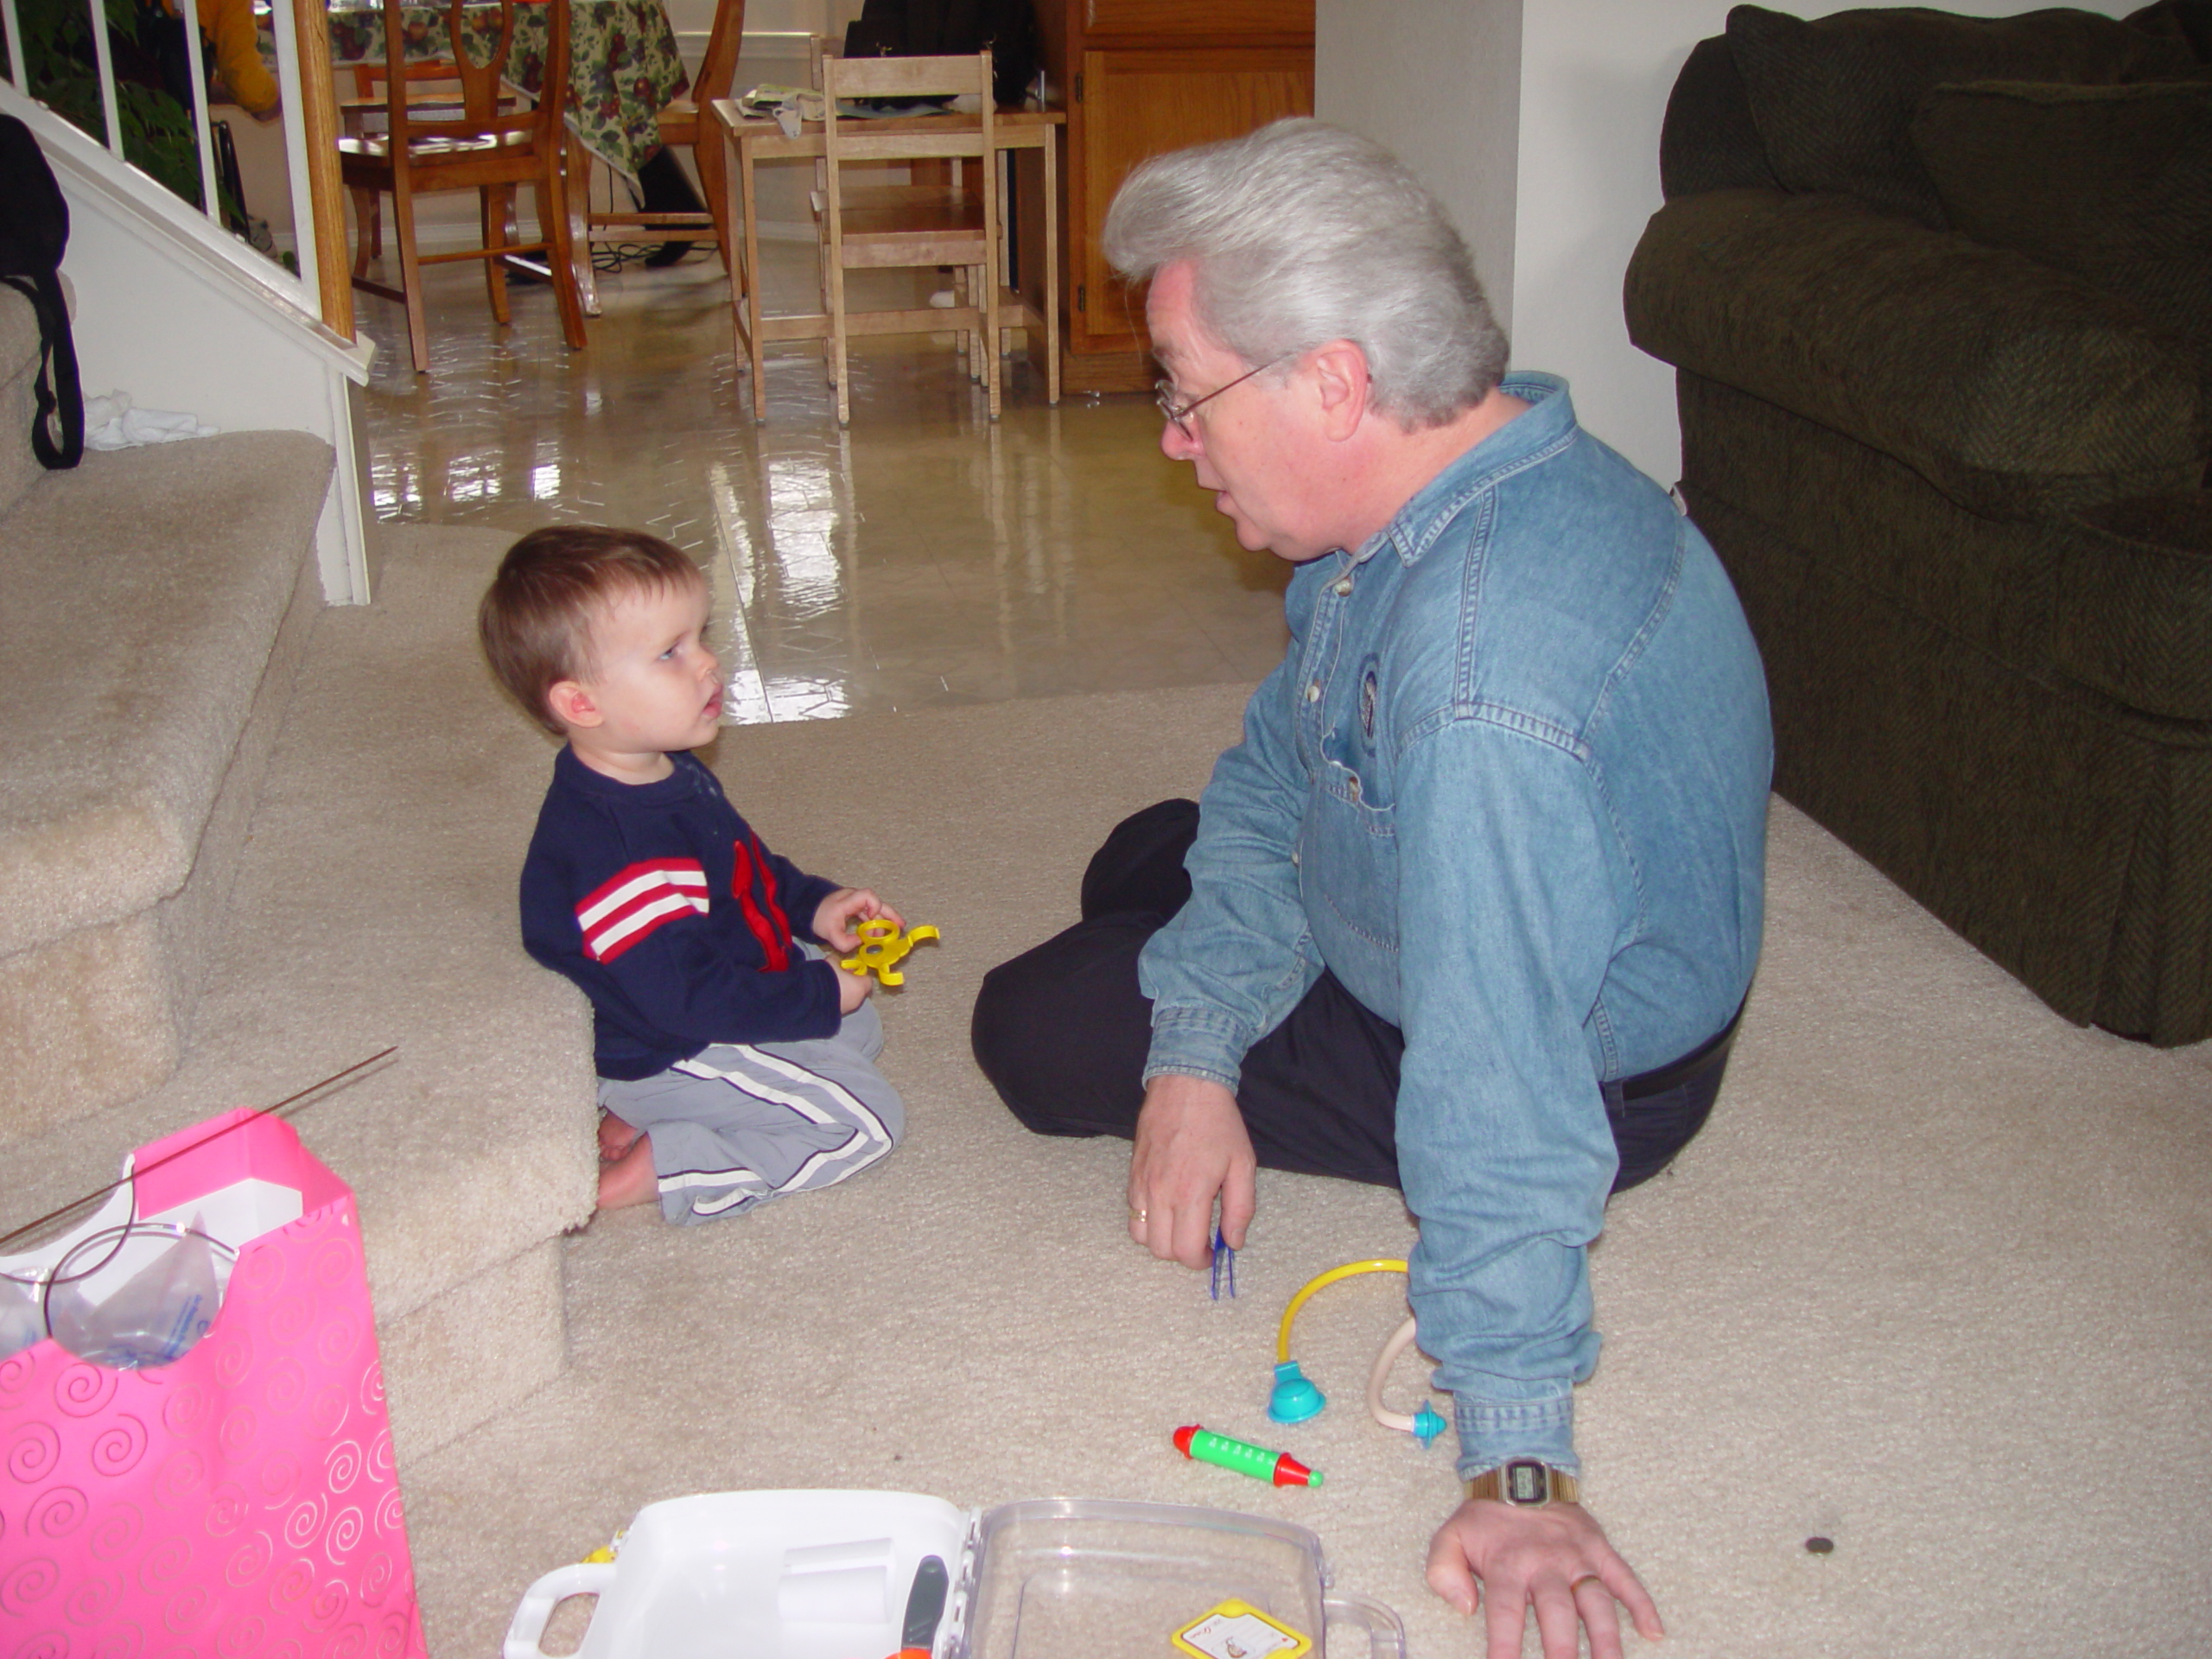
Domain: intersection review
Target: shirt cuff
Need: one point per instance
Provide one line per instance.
(1492, 1430)
(1196, 1043)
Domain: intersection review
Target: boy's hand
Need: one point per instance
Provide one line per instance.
(835, 916)
(853, 989)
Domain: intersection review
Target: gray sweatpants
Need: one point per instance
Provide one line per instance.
(741, 1123)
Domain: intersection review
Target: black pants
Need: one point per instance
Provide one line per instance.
(1063, 1032)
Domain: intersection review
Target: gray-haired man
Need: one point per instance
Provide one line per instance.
(1474, 906)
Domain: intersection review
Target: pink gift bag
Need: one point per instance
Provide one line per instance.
(241, 1501)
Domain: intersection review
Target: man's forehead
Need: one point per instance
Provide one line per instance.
(1176, 333)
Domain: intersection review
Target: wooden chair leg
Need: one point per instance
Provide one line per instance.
(368, 229)
(712, 157)
(553, 218)
(745, 289)
(987, 277)
(837, 343)
(411, 276)
(493, 202)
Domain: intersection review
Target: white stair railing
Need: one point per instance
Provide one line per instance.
(183, 313)
(309, 117)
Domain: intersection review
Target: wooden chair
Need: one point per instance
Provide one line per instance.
(430, 150)
(874, 228)
(433, 90)
(685, 122)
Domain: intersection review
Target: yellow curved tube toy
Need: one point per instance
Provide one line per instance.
(882, 947)
(1322, 1281)
(1295, 1399)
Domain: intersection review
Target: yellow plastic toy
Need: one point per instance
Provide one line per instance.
(883, 947)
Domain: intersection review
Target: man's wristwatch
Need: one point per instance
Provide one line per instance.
(1525, 1483)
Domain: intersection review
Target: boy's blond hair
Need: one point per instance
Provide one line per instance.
(535, 622)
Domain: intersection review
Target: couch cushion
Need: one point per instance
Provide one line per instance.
(1835, 99)
(2113, 184)
(2015, 389)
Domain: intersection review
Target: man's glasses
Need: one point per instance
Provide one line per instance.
(1179, 414)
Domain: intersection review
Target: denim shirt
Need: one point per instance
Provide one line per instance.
(1510, 785)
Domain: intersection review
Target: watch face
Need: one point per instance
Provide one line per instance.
(1526, 1482)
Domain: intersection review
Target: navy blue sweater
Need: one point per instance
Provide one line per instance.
(663, 904)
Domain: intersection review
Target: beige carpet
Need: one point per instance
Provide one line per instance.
(1934, 1284)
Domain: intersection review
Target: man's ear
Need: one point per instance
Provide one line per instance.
(1340, 377)
(572, 705)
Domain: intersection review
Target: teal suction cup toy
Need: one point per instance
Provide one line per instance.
(1427, 1426)
(1293, 1399)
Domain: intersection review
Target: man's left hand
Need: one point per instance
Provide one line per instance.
(1554, 1560)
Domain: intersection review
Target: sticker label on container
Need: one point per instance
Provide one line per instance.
(1237, 1629)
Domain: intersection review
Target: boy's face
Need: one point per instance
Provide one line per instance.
(654, 686)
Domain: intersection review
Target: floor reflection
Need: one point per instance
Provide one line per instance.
(923, 557)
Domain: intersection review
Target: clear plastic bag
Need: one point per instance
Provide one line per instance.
(22, 1323)
(151, 1318)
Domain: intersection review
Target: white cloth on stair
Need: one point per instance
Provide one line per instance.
(111, 423)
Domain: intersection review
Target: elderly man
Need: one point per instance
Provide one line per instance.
(1473, 906)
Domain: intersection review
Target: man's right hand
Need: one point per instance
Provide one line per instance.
(1190, 1148)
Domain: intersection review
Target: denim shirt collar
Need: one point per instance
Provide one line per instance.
(1537, 433)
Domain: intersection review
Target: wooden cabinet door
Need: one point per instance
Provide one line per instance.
(1136, 104)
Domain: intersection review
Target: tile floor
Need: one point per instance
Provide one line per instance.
(923, 557)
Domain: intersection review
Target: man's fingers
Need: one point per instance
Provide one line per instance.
(1595, 1603)
(1239, 1198)
(1503, 1625)
(1449, 1575)
(1621, 1583)
(1193, 1238)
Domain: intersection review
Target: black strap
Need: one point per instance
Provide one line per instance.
(58, 390)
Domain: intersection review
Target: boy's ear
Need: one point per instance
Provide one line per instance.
(572, 705)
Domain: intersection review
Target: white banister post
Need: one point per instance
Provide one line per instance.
(211, 195)
(15, 70)
(105, 61)
(296, 147)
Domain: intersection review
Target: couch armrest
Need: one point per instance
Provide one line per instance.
(2131, 614)
(2017, 391)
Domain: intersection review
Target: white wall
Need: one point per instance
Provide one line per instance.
(1592, 86)
(1438, 82)
(236, 364)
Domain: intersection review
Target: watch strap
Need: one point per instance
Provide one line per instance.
(1525, 1483)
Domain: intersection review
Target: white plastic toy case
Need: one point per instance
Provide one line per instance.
(827, 1575)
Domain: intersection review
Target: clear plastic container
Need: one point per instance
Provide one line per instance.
(826, 1575)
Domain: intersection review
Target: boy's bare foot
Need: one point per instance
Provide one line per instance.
(630, 1179)
(616, 1137)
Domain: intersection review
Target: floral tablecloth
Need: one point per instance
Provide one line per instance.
(623, 65)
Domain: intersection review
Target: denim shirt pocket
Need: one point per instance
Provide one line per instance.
(1350, 860)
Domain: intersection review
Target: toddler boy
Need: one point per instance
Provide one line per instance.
(735, 1063)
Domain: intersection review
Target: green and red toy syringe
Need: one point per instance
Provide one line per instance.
(1278, 1468)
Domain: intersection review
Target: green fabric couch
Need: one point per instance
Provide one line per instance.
(1939, 294)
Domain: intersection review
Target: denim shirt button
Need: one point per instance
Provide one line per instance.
(1313, 692)
(1343, 587)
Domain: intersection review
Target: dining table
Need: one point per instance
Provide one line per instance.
(624, 67)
